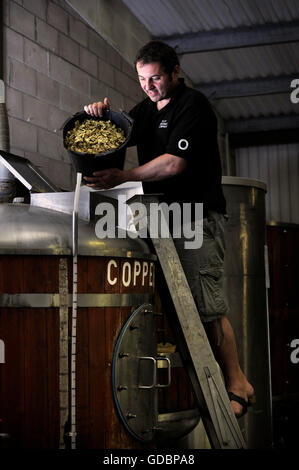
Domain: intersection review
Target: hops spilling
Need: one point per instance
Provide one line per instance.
(94, 137)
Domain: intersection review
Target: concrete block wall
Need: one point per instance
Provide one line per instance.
(54, 63)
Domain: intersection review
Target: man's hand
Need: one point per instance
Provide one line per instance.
(106, 179)
(96, 109)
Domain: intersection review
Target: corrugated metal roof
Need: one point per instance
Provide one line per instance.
(249, 62)
(172, 17)
(256, 106)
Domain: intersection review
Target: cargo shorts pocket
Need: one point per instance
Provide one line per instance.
(211, 297)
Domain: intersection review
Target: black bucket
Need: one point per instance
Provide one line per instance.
(88, 163)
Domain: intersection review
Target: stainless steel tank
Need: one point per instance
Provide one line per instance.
(245, 282)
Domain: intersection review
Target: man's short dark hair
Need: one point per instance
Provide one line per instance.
(158, 51)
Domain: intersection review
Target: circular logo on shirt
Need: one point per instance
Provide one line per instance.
(183, 144)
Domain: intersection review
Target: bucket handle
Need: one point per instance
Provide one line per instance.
(127, 116)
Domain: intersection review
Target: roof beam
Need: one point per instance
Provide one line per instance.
(263, 124)
(232, 38)
(251, 87)
(254, 139)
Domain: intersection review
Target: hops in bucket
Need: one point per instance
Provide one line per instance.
(91, 136)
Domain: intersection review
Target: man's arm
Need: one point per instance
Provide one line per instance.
(162, 167)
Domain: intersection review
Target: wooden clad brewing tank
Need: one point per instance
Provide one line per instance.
(115, 335)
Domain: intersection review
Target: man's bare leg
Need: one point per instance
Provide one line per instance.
(222, 340)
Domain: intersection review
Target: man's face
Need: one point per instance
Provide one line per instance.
(155, 82)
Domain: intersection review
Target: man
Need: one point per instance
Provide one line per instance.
(175, 130)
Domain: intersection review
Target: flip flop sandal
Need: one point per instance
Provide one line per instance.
(242, 402)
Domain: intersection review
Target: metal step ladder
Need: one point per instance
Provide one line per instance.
(215, 409)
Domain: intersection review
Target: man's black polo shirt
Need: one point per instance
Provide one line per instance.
(185, 127)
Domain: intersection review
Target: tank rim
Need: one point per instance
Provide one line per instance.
(243, 181)
(20, 219)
